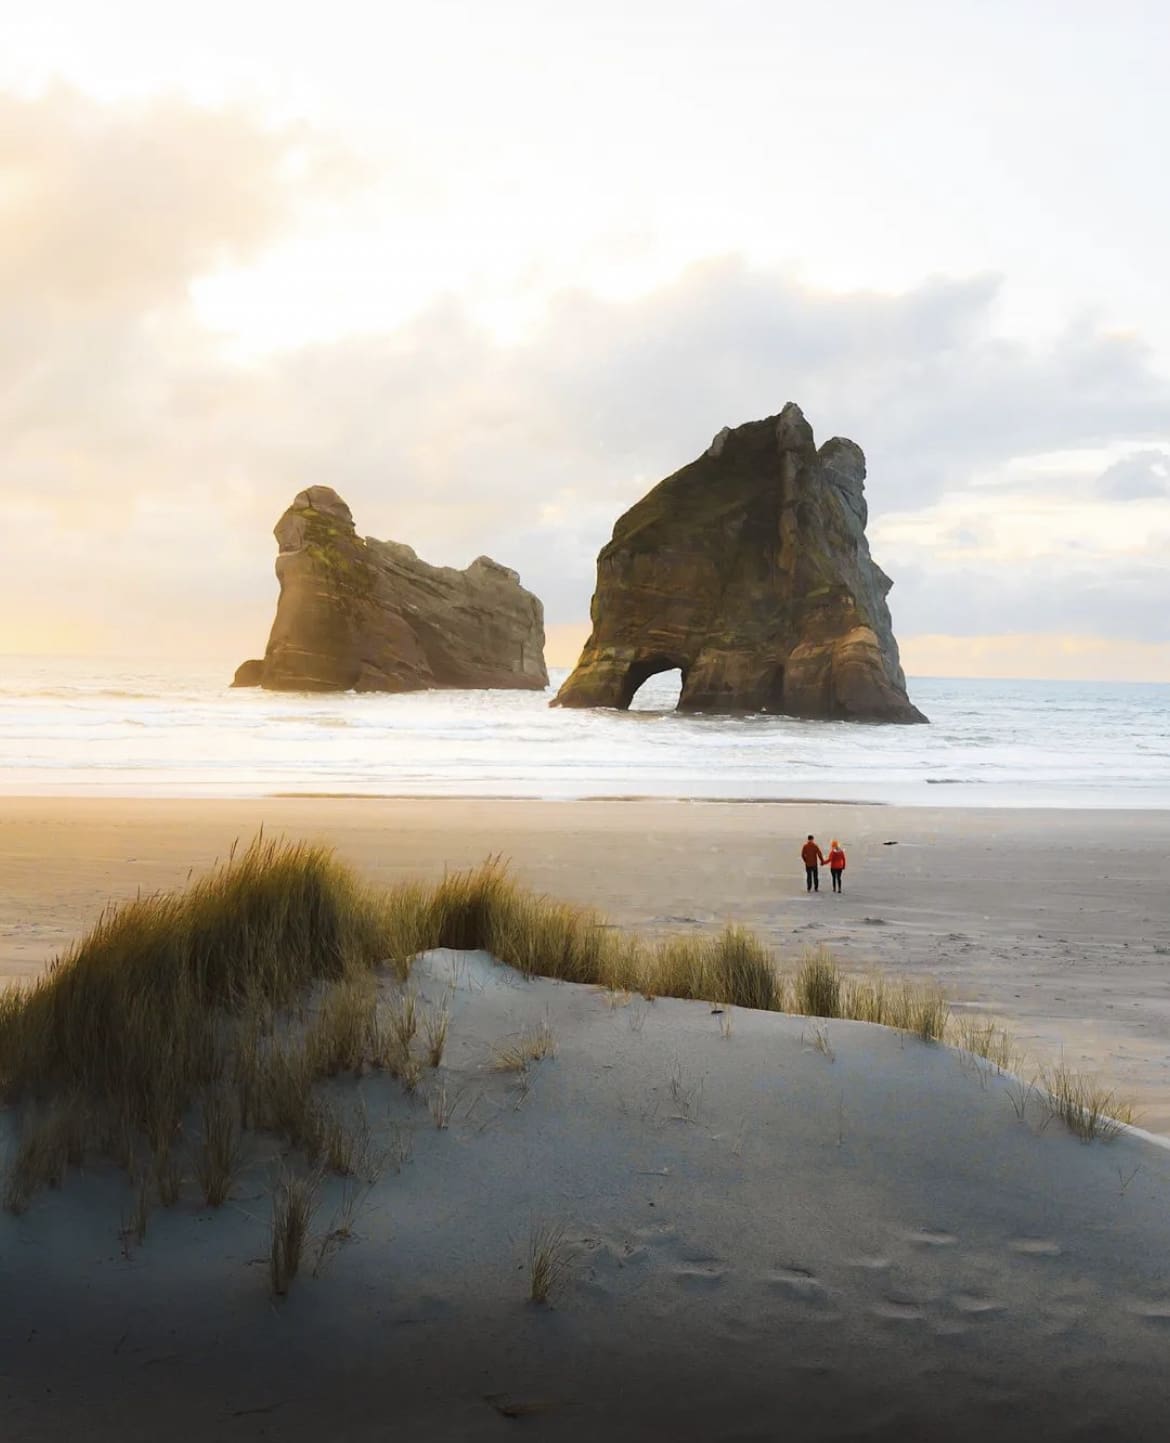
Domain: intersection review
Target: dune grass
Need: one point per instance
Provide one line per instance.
(435, 1029)
(175, 997)
(549, 1261)
(1088, 1109)
(52, 1138)
(987, 1039)
(217, 1158)
(147, 992)
(294, 1203)
(238, 993)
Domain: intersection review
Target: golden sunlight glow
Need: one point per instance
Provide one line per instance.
(1026, 655)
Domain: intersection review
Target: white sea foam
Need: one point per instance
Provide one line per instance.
(115, 729)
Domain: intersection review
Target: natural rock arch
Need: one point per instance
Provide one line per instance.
(750, 572)
(639, 672)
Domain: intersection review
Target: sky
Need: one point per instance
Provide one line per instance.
(493, 270)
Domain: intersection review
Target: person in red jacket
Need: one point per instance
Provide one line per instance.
(810, 855)
(836, 863)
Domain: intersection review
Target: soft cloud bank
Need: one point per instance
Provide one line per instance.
(144, 467)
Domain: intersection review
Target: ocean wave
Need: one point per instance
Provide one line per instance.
(83, 693)
(185, 738)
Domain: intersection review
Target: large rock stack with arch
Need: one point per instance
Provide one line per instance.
(749, 572)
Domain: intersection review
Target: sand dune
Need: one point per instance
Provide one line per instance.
(1057, 921)
(775, 1229)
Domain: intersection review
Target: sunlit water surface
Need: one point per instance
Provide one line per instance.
(120, 729)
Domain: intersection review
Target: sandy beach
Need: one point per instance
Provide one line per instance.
(765, 1225)
(769, 1228)
(1055, 921)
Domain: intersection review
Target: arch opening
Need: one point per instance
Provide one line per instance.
(772, 699)
(653, 685)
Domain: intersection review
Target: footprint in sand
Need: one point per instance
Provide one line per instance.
(1036, 1247)
(656, 1233)
(976, 1304)
(701, 1275)
(874, 1264)
(797, 1281)
(898, 1310)
(1157, 1311)
(926, 1238)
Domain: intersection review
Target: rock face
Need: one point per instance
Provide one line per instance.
(368, 615)
(749, 571)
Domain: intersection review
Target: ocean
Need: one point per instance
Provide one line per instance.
(89, 728)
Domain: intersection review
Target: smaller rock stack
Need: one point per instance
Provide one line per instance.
(365, 615)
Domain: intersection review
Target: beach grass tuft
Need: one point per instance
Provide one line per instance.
(982, 1037)
(217, 1159)
(177, 997)
(52, 1137)
(817, 986)
(294, 1203)
(1088, 1109)
(533, 1045)
(435, 1028)
(139, 1006)
(549, 1261)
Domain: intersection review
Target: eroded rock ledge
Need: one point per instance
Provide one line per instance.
(365, 615)
(749, 571)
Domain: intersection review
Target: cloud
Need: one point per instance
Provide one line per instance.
(532, 451)
(1137, 477)
(1119, 602)
(147, 466)
(107, 207)
(107, 215)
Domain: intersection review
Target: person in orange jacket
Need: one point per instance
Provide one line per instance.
(810, 855)
(836, 863)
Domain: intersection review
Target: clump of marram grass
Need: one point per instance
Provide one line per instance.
(549, 1261)
(817, 986)
(169, 995)
(51, 1139)
(341, 1229)
(549, 939)
(1086, 1108)
(920, 1009)
(744, 971)
(283, 1091)
(217, 1159)
(136, 1222)
(294, 1202)
(982, 1037)
(1080, 1101)
(464, 910)
(820, 989)
(440, 1106)
(435, 1028)
(340, 1035)
(533, 1045)
(168, 1177)
(404, 1020)
(140, 1002)
(342, 1142)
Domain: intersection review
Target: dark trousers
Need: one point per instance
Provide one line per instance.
(812, 877)
(836, 873)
